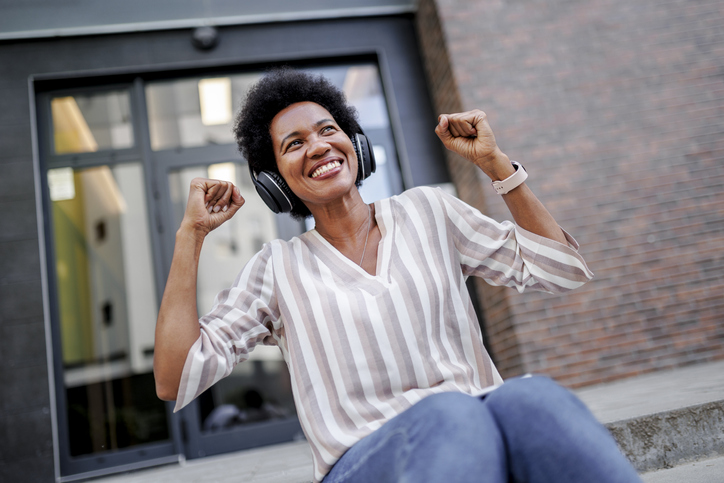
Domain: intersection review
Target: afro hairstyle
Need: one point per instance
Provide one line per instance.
(277, 90)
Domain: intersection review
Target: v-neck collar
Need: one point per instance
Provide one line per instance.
(385, 223)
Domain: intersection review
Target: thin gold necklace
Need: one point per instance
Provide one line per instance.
(369, 222)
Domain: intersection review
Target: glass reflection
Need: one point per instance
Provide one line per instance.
(91, 122)
(107, 304)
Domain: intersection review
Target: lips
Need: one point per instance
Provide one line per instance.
(325, 168)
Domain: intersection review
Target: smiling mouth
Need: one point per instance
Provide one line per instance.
(325, 168)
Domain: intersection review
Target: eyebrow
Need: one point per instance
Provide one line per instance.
(296, 133)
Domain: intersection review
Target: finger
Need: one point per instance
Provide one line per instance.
(237, 201)
(442, 124)
(223, 203)
(470, 128)
(462, 125)
(442, 127)
(452, 128)
(458, 126)
(211, 190)
(481, 122)
(216, 195)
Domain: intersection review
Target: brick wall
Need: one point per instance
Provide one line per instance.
(616, 109)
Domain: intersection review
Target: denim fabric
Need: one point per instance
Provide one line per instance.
(528, 430)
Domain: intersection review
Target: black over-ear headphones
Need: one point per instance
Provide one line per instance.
(279, 197)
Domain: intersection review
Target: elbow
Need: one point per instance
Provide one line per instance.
(165, 392)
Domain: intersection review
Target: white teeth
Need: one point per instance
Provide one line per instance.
(323, 169)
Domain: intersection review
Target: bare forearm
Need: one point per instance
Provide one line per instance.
(529, 213)
(527, 210)
(177, 327)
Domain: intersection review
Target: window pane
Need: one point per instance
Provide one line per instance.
(258, 389)
(362, 86)
(92, 122)
(107, 304)
(194, 112)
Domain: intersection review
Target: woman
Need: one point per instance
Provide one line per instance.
(370, 308)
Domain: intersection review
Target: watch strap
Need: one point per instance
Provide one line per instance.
(513, 181)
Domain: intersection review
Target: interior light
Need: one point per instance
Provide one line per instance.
(61, 184)
(223, 171)
(215, 99)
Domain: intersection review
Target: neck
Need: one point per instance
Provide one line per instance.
(344, 223)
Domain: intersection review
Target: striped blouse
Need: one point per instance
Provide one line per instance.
(360, 348)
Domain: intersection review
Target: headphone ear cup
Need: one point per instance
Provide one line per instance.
(274, 191)
(366, 164)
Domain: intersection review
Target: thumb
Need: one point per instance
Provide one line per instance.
(442, 130)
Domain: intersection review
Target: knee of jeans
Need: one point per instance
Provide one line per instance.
(449, 409)
(530, 395)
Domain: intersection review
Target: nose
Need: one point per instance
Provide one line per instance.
(317, 147)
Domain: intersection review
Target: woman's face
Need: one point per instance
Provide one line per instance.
(314, 156)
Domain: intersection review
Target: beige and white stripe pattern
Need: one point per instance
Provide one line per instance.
(360, 348)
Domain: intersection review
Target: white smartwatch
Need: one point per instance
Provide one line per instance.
(512, 181)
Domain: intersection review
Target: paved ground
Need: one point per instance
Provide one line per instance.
(282, 463)
(706, 471)
(648, 394)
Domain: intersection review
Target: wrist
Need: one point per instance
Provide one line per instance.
(496, 166)
(189, 232)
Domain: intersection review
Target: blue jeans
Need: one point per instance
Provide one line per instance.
(528, 430)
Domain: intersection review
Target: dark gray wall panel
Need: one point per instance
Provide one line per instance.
(20, 261)
(21, 432)
(18, 217)
(20, 301)
(25, 385)
(16, 141)
(16, 173)
(23, 344)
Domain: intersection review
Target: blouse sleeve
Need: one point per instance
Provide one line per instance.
(242, 316)
(506, 254)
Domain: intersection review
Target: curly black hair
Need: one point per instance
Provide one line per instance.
(277, 90)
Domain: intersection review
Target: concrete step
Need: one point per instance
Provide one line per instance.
(664, 419)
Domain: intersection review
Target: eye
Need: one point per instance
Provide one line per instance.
(328, 129)
(293, 144)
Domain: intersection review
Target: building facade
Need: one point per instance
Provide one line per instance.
(615, 109)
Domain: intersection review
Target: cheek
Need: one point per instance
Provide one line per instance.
(289, 170)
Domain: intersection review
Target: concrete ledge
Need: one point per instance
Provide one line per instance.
(667, 439)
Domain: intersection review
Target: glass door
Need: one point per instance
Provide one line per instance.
(104, 286)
